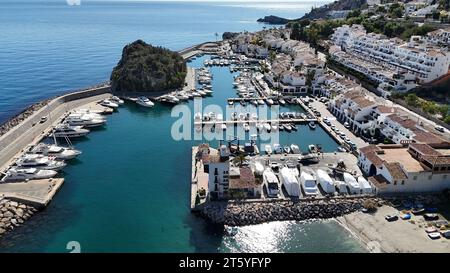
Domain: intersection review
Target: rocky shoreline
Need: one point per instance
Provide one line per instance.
(251, 213)
(13, 214)
(14, 121)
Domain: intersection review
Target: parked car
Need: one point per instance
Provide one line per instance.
(446, 234)
(326, 121)
(431, 216)
(333, 127)
(43, 119)
(346, 125)
(439, 128)
(391, 218)
(434, 235)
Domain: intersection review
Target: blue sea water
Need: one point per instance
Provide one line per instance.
(129, 190)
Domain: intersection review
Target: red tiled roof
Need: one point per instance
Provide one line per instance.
(424, 149)
(429, 138)
(404, 122)
(246, 179)
(384, 109)
(378, 181)
(396, 170)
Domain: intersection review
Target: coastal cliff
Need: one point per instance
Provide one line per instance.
(146, 68)
(322, 11)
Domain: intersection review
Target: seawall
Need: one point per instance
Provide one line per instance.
(236, 213)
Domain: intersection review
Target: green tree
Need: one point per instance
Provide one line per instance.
(295, 32)
(412, 100)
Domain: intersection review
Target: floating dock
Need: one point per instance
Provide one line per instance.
(277, 121)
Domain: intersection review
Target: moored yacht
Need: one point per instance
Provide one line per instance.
(55, 151)
(85, 120)
(65, 130)
(22, 174)
(277, 149)
(117, 100)
(312, 125)
(109, 103)
(144, 101)
(295, 149)
(268, 149)
(39, 162)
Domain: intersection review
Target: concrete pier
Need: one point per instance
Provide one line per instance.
(37, 193)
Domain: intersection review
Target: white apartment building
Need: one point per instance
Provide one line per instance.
(422, 60)
(439, 37)
(354, 108)
(216, 163)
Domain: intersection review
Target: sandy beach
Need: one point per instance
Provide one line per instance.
(399, 236)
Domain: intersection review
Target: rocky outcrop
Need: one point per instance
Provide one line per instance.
(13, 214)
(146, 68)
(322, 11)
(229, 35)
(251, 213)
(273, 20)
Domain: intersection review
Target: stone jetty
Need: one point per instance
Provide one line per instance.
(13, 214)
(237, 213)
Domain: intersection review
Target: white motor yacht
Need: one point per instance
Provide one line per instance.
(246, 127)
(117, 100)
(223, 126)
(85, 120)
(282, 101)
(268, 149)
(277, 149)
(308, 184)
(271, 182)
(267, 127)
(352, 184)
(144, 101)
(364, 185)
(260, 102)
(23, 174)
(55, 151)
(65, 130)
(325, 181)
(109, 103)
(295, 149)
(39, 162)
(290, 181)
(269, 101)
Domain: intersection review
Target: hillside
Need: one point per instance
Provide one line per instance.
(321, 12)
(146, 68)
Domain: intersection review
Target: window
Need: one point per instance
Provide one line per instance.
(403, 182)
(395, 182)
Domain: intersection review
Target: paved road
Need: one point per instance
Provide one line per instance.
(35, 133)
(325, 113)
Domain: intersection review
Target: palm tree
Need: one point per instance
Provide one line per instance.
(239, 159)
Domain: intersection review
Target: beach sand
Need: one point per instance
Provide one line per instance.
(399, 236)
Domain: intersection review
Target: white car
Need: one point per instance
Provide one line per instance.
(326, 121)
(346, 125)
(333, 128)
(440, 129)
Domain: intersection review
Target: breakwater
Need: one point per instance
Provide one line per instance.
(237, 213)
(13, 214)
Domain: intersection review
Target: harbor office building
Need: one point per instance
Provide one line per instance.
(410, 168)
(224, 180)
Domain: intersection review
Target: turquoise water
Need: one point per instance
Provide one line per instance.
(129, 190)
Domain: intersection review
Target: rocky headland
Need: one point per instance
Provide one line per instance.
(273, 20)
(250, 213)
(146, 68)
